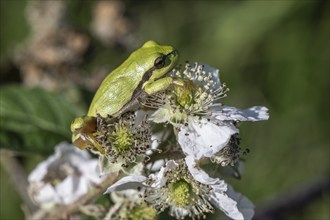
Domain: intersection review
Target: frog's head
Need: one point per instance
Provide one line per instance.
(161, 58)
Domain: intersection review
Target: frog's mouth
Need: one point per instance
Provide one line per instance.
(174, 52)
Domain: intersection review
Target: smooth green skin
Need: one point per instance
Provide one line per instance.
(121, 88)
(136, 77)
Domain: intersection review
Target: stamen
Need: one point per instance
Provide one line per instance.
(122, 139)
(230, 154)
(181, 192)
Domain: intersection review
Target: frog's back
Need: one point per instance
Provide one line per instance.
(116, 90)
(125, 82)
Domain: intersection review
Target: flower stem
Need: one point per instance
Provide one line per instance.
(18, 178)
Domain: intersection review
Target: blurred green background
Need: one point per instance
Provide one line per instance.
(270, 53)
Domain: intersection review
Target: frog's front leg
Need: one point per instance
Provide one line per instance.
(87, 140)
(161, 84)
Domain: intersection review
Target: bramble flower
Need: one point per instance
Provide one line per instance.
(164, 167)
(124, 139)
(187, 191)
(63, 177)
(129, 203)
(204, 126)
(174, 188)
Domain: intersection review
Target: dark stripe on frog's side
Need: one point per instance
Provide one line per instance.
(138, 92)
(117, 89)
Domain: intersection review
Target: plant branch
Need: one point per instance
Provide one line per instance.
(293, 201)
(18, 177)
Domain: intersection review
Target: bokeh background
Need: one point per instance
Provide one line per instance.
(270, 53)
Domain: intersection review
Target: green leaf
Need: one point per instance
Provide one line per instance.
(33, 119)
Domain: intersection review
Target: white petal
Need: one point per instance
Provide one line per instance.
(233, 204)
(202, 138)
(201, 176)
(127, 182)
(39, 172)
(162, 115)
(90, 170)
(136, 170)
(46, 196)
(68, 152)
(255, 113)
(42, 168)
(71, 188)
(244, 205)
(156, 165)
(229, 206)
(160, 178)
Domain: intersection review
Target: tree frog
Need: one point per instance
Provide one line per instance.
(140, 74)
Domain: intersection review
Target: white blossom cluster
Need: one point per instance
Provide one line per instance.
(63, 177)
(160, 157)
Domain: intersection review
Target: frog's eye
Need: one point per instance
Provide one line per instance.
(160, 62)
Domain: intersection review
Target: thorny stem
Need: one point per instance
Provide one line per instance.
(63, 212)
(18, 178)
